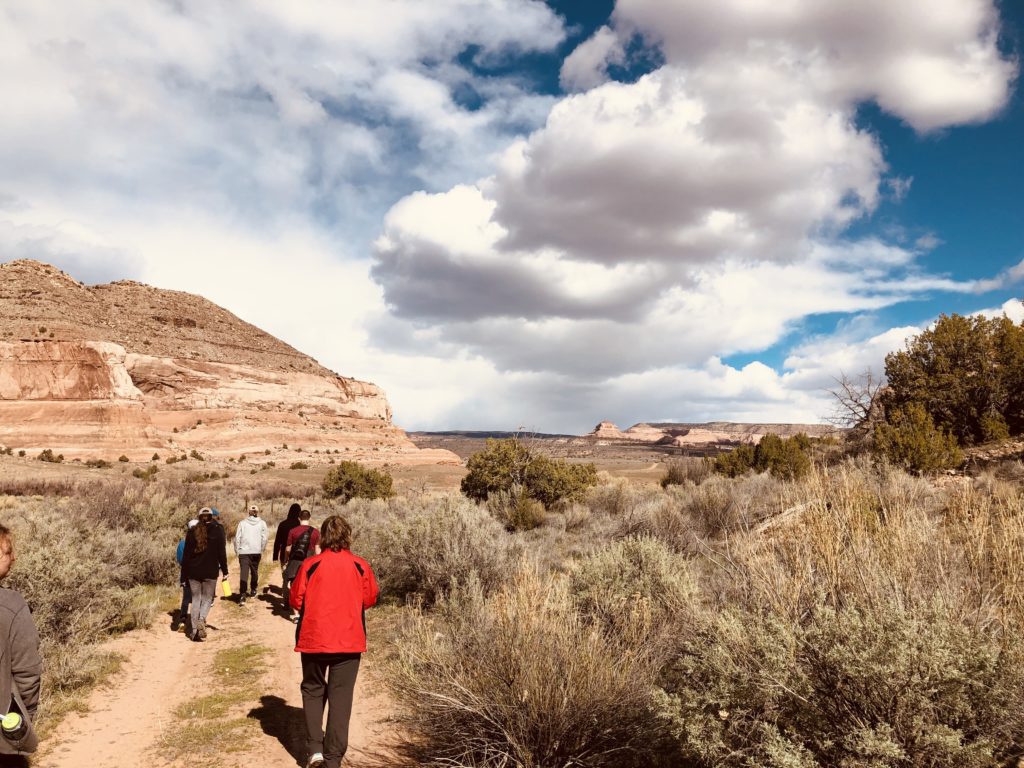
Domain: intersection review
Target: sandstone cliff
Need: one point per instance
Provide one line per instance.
(130, 369)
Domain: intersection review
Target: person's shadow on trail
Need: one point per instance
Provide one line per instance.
(286, 724)
(278, 604)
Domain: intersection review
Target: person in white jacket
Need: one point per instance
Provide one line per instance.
(250, 541)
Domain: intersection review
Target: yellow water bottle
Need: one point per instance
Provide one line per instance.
(13, 726)
(225, 588)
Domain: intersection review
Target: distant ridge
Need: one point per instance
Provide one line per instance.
(705, 433)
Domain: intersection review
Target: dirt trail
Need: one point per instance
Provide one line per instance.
(129, 718)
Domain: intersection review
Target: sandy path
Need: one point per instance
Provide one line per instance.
(128, 718)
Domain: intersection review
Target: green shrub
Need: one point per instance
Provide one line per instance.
(910, 439)
(968, 375)
(351, 480)
(507, 463)
(50, 457)
(196, 454)
(551, 481)
(498, 467)
(736, 462)
(123, 459)
(994, 427)
(787, 458)
(98, 463)
(156, 457)
(299, 465)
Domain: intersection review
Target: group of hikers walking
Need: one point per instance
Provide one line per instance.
(327, 588)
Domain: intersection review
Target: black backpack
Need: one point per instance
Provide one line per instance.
(300, 550)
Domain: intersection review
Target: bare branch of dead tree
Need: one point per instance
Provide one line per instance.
(855, 399)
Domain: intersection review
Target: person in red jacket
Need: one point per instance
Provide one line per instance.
(331, 593)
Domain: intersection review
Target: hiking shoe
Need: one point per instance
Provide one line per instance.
(252, 593)
(201, 629)
(241, 599)
(315, 760)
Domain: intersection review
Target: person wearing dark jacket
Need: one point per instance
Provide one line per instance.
(281, 541)
(331, 593)
(186, 590)
(21, 667)
(205, 554)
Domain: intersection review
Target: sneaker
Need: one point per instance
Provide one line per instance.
(315, 760)
(196, 638)
(201, 629)
(252, 593)
(241, 599)
(175, 623)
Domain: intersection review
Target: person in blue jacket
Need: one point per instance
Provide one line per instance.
(186, 590)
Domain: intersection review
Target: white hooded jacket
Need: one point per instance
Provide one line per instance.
(251, 536)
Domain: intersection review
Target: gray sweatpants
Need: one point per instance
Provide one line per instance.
(203, 592)
(328, 679)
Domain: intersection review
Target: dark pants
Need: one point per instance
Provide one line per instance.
(13, 761)
(249, 571)
(328, 679)
(186, 598)
(285, 583)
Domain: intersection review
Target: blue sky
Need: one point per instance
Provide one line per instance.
(516, 213)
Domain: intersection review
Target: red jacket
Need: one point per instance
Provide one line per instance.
(331, 593)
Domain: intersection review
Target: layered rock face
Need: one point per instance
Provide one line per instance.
(130, 369)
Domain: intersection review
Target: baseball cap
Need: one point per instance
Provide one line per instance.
(253, 508)
(206, 511)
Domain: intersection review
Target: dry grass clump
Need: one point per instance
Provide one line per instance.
(520, 679)
(515, 509)
(687, 472)
(421, 546)
(34, 486)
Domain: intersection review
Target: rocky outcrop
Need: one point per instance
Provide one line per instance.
(129, 369)
(644, 433)
(607, 430)
(707, 434)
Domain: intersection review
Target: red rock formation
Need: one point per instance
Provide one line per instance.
(606, 430)
(129, 369)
